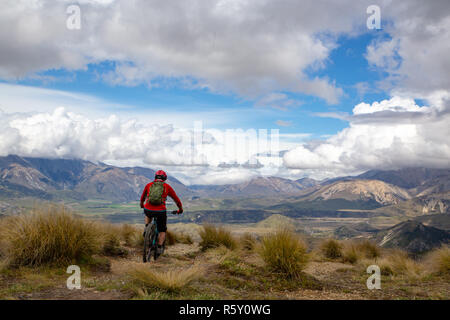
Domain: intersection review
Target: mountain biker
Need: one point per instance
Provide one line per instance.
(157, 209)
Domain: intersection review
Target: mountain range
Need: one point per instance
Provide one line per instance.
(416, 190)
(54, 179)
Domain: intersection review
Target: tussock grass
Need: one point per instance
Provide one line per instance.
(350, 253)
(398, 263)
(356, 250)
(213, 237)
(169, 281)
(3, 265)
(284, 252)
(49, 235)
(369, 249)
(331, 249)
(129, 234)
(173, 237)
(110, 236)
(438, 260)
(248, 241)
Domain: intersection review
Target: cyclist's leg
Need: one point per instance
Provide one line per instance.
(161, 223)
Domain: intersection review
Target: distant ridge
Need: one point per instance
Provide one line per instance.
(413, 236)
(75, 179)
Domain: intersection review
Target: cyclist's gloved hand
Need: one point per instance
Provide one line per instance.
(180, 211)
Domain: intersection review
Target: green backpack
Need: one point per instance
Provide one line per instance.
(155, 193)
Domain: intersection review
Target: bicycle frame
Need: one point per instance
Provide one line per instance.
(156, 232)
(151, 234)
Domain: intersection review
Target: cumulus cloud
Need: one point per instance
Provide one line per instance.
(396, 104)
(406, 136)
(251, 48)
(64, 134)
(415, 54)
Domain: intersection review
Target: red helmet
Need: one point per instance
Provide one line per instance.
(160, 175)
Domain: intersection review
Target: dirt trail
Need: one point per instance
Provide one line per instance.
(322, 270)
(62, 293)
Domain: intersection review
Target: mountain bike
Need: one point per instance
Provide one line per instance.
(151, 234)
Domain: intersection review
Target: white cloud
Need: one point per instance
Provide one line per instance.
(65, 134)
(408, 136)
(252, 48)
(396, 104)
(416, 54)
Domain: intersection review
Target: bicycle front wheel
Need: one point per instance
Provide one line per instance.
(148, 242)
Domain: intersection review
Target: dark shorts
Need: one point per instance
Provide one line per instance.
(161, 219)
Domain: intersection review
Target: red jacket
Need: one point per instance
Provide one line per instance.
(168, 191)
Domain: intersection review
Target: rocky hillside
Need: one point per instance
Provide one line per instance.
(74, 179)
(379, 191)
(413, 236)
(419, 181)
(440, 221)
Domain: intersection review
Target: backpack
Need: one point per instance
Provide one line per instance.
(155, 193)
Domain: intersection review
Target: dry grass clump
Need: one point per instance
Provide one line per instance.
(439, 260)
(47, 236)
(284, 252)
(169, 281)
(110, 236)
(174, 237)
(331, 249)
(369, 249)
(213, 237)
(350, 253)
(129, 234)
(248, 242)
(356, 250)
(398, 263)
